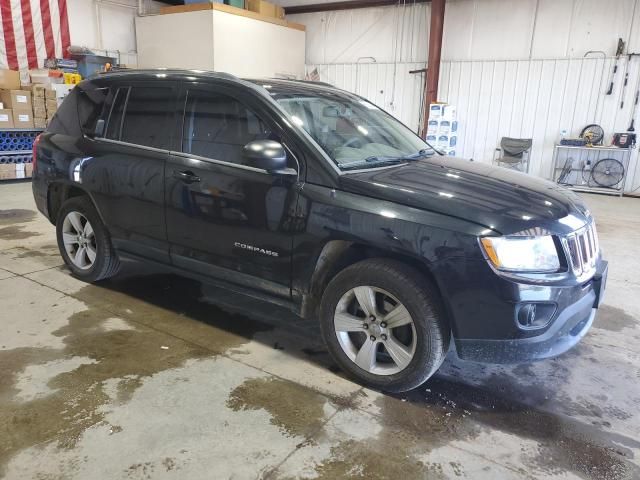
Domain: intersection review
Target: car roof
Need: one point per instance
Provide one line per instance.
(272, 85)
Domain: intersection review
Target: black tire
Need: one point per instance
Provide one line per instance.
(421, 299)
(107, 262)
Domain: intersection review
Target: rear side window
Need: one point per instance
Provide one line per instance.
(79, 111)
(140, 115)
(217, 126)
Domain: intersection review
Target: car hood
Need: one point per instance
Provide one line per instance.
(501, 199)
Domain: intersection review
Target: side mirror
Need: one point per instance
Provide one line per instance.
(266, 154)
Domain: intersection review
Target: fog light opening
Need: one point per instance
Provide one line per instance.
(531, 316)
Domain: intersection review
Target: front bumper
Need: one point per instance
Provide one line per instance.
(569, 325)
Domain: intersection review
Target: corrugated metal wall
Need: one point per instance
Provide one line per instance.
(388, 85)
(519, 98)
(538, 99)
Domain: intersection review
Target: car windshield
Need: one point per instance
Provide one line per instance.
(353, 132)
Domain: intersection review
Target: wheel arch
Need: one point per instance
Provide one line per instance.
(336, 255)
(60, 192)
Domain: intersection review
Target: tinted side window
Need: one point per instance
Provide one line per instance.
(114, 122)
(90, 107)
(218, 126)
(79, 112)
(146, 117)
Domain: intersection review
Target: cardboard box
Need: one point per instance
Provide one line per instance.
(279, 12)
(9, 79)
(439, 111)
(449, 112)
(22, 118)
(436, 110)
(40, 122)
(447, 127)
(16, 99)
(7, 171)
(25, 78)
(37, 91)
(6, 118)
(39, 112)
(28, 169)
(447, 141)
(51, 105)
(20, 170)
(50, 94)
(263, 8)
(62, 89)
(432, 127)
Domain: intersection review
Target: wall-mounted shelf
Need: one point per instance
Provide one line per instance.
(573, 167)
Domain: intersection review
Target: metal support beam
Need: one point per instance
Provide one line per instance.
(433, 64)
(344, 5)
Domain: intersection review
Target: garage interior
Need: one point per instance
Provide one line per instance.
(153, 375)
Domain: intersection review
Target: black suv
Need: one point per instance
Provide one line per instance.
(313, 198)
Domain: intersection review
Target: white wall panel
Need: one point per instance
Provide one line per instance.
(537, 99)
(473, 30)
(388, 85)
(388, 34)
(107, 27)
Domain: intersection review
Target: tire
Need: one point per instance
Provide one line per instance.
(390, 281)
(100, 260)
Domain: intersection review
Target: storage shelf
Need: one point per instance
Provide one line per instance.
(21, 129)
(15, 152)
(570, 161)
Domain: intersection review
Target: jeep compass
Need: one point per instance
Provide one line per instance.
(314, 198)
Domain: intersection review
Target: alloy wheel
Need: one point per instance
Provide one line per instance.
(79, 240)
(375, 330)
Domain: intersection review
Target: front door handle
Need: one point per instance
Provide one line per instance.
(186, 176)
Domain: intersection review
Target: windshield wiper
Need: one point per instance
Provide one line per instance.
(372, 161)
(425, 152)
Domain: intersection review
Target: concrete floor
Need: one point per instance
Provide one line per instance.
(144, 376)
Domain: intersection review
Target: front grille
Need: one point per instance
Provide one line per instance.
(582, 250)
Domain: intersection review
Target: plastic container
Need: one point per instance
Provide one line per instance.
(89, 64)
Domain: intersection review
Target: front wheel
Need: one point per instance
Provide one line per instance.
(84, 242)
(384, 324)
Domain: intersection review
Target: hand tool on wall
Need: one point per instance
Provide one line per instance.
(619, 51)
(635, 107)
(635, 98)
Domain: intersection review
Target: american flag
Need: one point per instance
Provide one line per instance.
(32, 31)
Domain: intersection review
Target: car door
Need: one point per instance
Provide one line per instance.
(126, 172)
(226, 218)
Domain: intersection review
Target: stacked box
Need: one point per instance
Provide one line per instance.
(39, 105)
(262, 7)
(6, 118)
(442, 129)
(9, 79)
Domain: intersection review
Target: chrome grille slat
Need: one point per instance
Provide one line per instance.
(582, 249)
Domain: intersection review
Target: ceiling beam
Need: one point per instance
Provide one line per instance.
(346, 5)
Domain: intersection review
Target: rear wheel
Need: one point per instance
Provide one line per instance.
(84, 242)
(383, 323)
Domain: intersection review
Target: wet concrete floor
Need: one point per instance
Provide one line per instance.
(150, 375)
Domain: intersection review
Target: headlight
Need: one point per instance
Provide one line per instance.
(522, 254)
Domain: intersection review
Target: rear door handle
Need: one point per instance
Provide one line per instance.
(186, 176)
